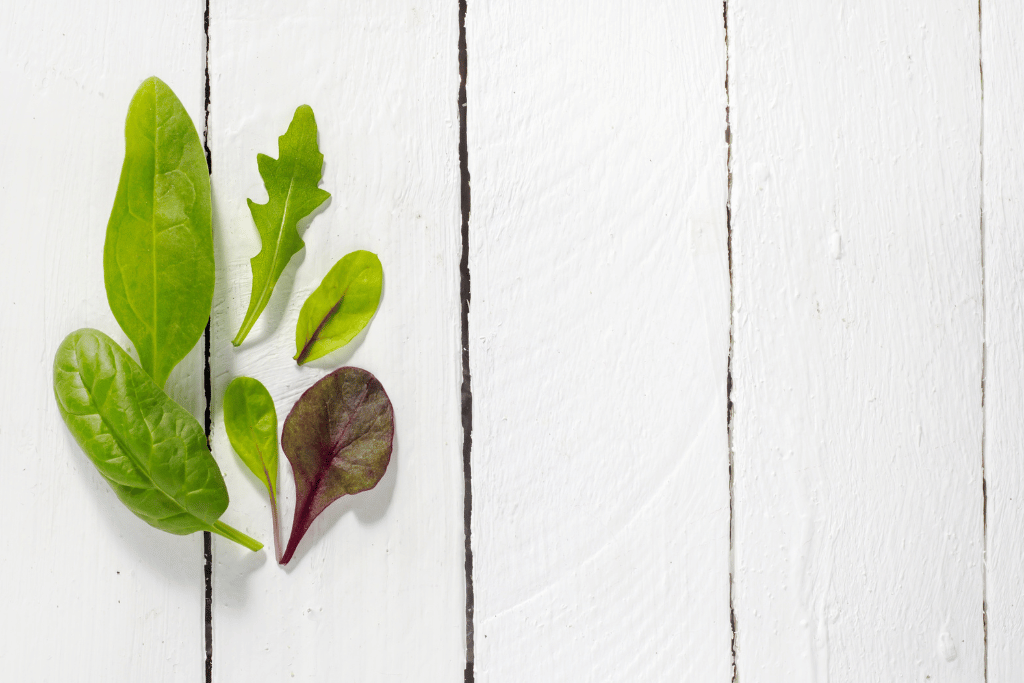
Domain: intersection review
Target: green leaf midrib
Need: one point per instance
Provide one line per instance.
(314, 337)
(144, 473)
(152, 226)
(258, 303)
(271, 279)
(263, 460)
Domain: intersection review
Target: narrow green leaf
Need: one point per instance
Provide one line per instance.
(340, 307)
(149, 449)
(291, 182)
(158, 256)
(250, 421)
(338, 439)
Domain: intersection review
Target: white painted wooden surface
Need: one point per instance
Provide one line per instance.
(861, 310)
(858, 341)
(1002, 21)
(599, 340)
(90, 592)
(376, 589)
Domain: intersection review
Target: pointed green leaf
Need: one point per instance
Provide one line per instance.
(149, 449)
(291, 182)
(250, 421)
(158, 256)
(338, 439)
(340, 307)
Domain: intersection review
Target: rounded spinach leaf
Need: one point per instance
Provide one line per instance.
(149, 449)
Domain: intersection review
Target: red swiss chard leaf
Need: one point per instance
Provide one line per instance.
(338, 438)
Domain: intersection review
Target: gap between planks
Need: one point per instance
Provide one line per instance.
(728, 373)
(467, 390)
(984, 343)
(207, 380)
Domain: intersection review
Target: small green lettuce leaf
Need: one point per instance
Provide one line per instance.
(149, 449)
(338, 439)
(158, 256)
(291, 182)
(250, 421)
(340, 307)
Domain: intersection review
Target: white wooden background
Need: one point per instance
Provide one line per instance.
(745, 340)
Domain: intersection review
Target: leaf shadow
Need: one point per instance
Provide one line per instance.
(178, 558)
(235, 565)
(272, 316)
(368, 506)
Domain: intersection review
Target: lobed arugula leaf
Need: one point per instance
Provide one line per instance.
(291, 182)
(150, 450)
(340, 307)
(250, 421)
(158, 256)
(338, 439)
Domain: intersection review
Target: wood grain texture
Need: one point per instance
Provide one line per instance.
(90, 592)
(376, 591)
(858, 341)
(599, 341)
(1003, 148)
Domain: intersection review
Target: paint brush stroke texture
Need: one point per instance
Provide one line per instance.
(858, 341)
(599, 333)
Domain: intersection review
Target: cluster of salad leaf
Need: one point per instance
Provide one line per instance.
(338, 436)
(158, 270)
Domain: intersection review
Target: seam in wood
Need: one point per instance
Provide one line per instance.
(984, 343)
(467, 392)
(728, 374)
(207, 383)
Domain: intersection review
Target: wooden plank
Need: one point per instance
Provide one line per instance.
(599, 341)
(91, 593)
(857, 340)
(376, 591)
(1003, 175)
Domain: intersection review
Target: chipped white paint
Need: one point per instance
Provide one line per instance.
(599, 341)
(857, 358)
(90, 592)
(1004, 297)
(376, 589)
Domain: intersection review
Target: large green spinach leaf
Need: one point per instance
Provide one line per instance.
(151, 451)
(158, 257)
(291, 181)
(340, 307)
